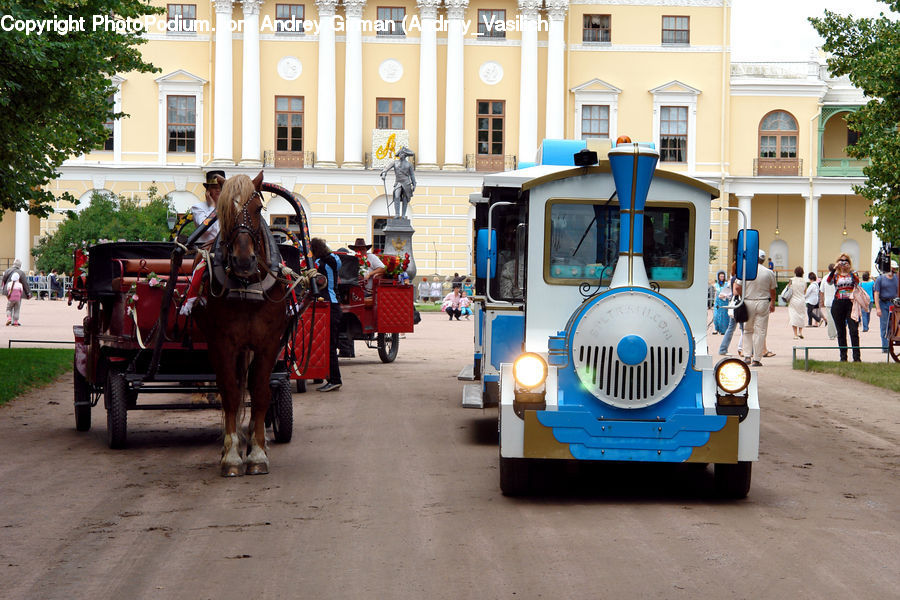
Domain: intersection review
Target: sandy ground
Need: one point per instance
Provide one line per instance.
(390, 490)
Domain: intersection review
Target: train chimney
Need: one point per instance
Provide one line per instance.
(632, 167)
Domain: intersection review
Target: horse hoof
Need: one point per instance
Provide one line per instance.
(258, 469)
(231, 471)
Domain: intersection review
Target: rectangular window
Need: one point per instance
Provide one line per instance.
(594, 121)
(673, 126)
(492, 23)
(110, 142)
(583, 243)
(390, 113)
(289, 18)
(767, 146)
(676, 30)
(181, 17)
(596, 28)
(391, 18)
(489, 135)
(788, 146)
(288, 123)
(378, 236)
(181, 123)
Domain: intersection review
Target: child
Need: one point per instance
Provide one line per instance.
(465, 304)
(14, 293)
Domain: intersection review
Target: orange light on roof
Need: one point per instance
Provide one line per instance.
(623, 139)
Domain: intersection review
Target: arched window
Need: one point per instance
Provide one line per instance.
(778, 136)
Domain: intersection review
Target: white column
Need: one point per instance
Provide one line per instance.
(807, 235)
(528, 81)
(250, 94)
(326, 111)
(556, 91)
(223, 107)
(353, 92)
(23, 241)
(744, 203)
(454, 157)
(814, 238)
(427, 150)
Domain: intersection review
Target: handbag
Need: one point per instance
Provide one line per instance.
(786, 293)
(741, 315)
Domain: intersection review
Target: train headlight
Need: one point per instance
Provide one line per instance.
(530, 370)
(732, 375)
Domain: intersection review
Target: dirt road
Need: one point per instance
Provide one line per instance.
(390, 490)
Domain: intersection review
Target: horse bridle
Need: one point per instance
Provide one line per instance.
(244, 224)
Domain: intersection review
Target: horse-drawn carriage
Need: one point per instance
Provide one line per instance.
(376, 317)
(134, 340)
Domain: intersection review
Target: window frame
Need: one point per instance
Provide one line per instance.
(398, 25)
(585, 29)
(281, 20)
(686, 135)
(779, 135)
(591, 134)
(390, 114)
(675, 30)
(191, 24)
(482, 29)
(289, 112)
(379, 240)
(491, 116)
(170, 124)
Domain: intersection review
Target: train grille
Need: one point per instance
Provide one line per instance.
(605, 375)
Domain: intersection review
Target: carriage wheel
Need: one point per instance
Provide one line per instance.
(282, 410)
(301, 386)
(82, 402)
(515, 476)
(894, 336)
(387, 346)
(116, 409)
(733, 481)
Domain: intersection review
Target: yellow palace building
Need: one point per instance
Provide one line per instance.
(318, 93)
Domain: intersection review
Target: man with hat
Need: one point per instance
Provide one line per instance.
(372, 264)
(886, 289)
(760, 300)
(201, 210)
(404, 181)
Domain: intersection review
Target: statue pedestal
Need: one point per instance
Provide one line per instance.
(398, 234)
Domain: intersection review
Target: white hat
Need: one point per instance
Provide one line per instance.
(894, 264)
(762, 253)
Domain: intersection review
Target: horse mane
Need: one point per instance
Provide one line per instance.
(235, 192)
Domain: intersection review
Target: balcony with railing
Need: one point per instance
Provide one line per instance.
(835, 137)
(842, 167)
(291, 160)
(784, 167)
(491, 163)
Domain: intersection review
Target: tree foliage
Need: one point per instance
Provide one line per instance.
(107, 218)
(54, 88)
(868, 51)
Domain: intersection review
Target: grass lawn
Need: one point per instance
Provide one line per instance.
(428, 307)
(885, 375)
(27, 368)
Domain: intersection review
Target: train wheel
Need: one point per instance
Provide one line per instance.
(388, 344)
(515, 476)
(116, 409)
(733, 481)
(82, 402)
(282, 411)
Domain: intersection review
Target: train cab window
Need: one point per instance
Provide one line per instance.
(582, 242)
(509, 284)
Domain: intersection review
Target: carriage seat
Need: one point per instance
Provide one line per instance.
(348, 277)
(131, 270)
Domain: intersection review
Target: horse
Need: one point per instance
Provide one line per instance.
(243, 321)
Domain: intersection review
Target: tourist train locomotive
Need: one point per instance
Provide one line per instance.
(591, 287)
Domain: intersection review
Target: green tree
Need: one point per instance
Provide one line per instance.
(54, 88)
(868, 51)
(107, 217)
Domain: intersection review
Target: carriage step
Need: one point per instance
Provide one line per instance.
(467, 373)
(472, 397)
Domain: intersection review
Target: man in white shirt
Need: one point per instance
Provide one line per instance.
(202, 210)
(375, 266)
(760, 300)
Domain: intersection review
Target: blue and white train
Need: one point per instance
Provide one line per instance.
(590, 298)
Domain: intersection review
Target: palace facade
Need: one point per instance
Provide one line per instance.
(317, 94)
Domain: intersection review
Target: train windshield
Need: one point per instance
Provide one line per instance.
(582, 241)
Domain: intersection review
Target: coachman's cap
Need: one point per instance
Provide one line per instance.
(211, 178)
(360, 243)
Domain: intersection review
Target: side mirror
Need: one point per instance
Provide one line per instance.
(747, 260)
(481, 253)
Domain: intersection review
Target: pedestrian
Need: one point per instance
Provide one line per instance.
(55, 285)
(437, 289)
(457, 281)
(15, 290)
(797, 303)
(885, 292)
(467, 287)
(760, 300)
(465, 304)
(771, 265)
(451, 304)
(329, 265)
(827, 298)
(424, 290)
(867, 284)
(844, 279)
(732, 324)
(16, 268)
(812, 301)
(722, 293)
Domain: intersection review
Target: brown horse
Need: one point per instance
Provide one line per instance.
(243, 329)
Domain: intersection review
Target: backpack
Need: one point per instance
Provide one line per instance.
(15, 294)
